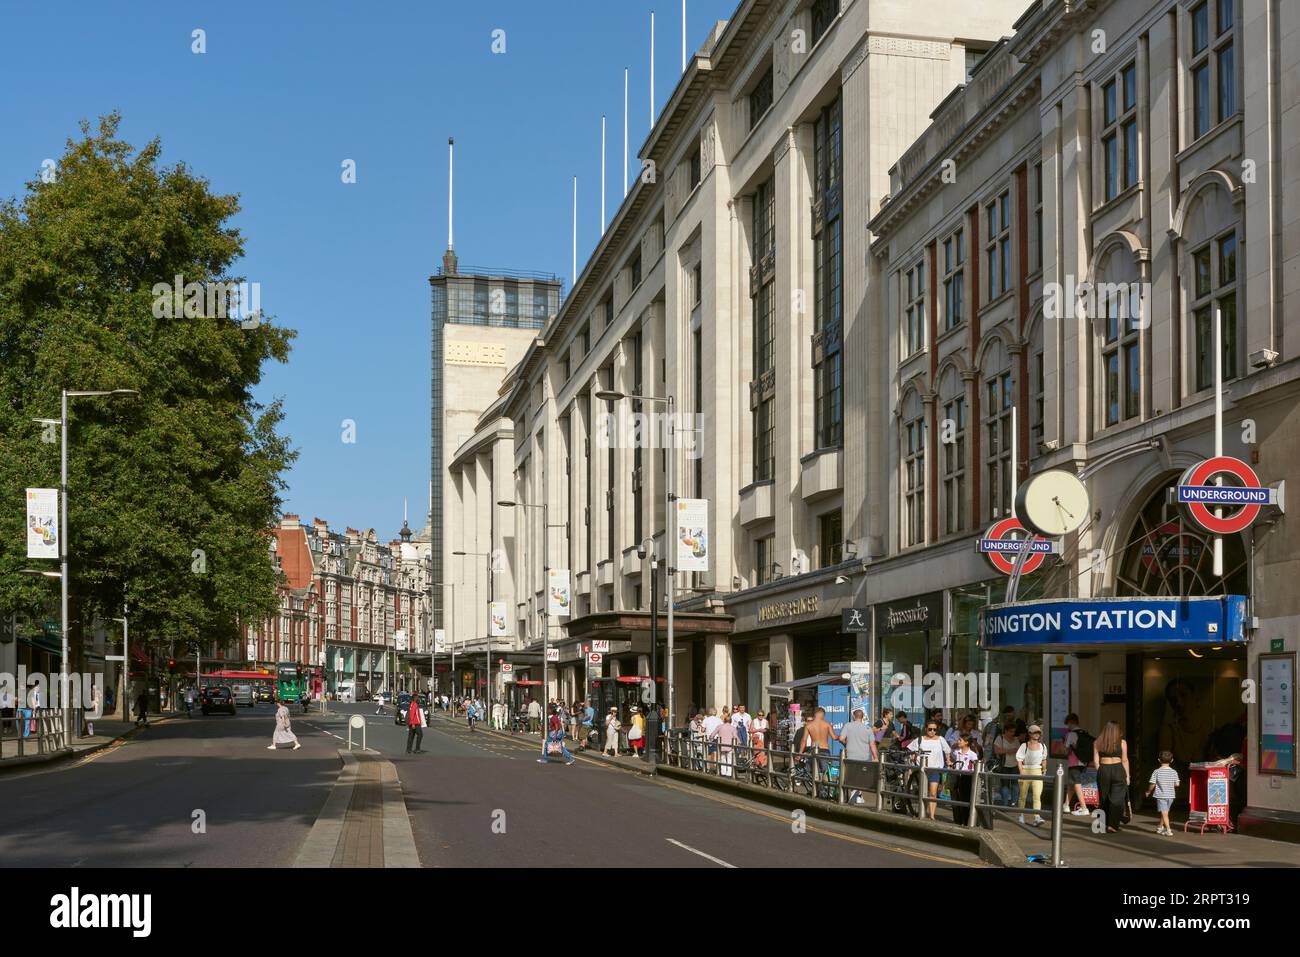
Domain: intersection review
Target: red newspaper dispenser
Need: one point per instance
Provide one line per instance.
(1209, 797)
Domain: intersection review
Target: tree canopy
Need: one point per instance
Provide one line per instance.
(172, 492)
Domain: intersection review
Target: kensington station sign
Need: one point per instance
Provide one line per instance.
(1114, 623)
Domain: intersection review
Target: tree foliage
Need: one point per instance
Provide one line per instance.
(171, 493)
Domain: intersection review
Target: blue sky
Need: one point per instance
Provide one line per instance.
(284, 94)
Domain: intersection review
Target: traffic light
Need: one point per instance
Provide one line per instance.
(171, 665)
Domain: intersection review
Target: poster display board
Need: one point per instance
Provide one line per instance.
(1277, 714)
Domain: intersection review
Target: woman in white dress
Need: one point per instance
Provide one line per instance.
(283, 731)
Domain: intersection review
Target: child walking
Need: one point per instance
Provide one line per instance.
(1164, 785)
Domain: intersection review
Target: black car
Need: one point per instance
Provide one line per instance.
(403, 700)
(217, 698)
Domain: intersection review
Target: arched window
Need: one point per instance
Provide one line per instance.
(1037, 386)
(952, 451)
(1117, 320)
(1210, 283)
(998, 401)
(913, 469)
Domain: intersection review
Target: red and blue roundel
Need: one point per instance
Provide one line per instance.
(1239, 501)
(1006, 539)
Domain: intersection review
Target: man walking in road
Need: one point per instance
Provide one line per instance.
(379, 702)
(415, 725)
(142, 709)
(189, 702)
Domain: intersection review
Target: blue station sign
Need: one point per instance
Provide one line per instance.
(1113, 624)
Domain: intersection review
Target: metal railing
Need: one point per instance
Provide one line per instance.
(29, 732)
(897, 782)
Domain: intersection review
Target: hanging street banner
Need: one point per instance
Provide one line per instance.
(558, 597)
(1008, 538)
(1240, 501)
(439, 639)
(42, 523)
(1113, 624)
(692, 535)
(497, 619)
(399, 639)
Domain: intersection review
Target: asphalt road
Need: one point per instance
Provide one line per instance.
(474, 799)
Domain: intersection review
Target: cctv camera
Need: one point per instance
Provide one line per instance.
(640, 553)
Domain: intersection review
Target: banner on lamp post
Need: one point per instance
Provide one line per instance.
(692, 535)
(439, 639)
(399, 639)
(558, 597)
(42, 523)
(497, 619)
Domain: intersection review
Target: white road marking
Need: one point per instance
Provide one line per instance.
(687, 847)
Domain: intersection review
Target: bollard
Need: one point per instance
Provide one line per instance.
(974, 793)
(880, 784)
(1058, 797)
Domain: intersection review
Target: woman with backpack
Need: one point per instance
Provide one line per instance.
(1079, 746)
(1110, 758)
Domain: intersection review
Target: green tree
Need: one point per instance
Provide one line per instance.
(171, 494)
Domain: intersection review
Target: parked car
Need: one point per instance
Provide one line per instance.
(347, 692)
(244, 696)
(264, 693)
(217, 698)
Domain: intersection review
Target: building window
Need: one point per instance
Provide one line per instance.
(763, 299)
(1214, 283)
(914, 311)
(1119, 131)
(634, 268)
(1038, 216)
(828, 294)
(760, 98)
(830, 528)
(1037, 391)
(608, 309)
(763, 551)
(1120, 321)
(696, 162)
(997, 443)
(1213, 71)
(824, 13)
(954, 280)
(638, 477)
(997, 247)
(697, 285)
(584, 338)
(953, 455)
(913, 455)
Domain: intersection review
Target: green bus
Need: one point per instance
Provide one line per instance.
(291, 682)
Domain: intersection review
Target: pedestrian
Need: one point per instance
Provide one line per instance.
(934, 755)
(995, 726)
(859, 742)
(587, 726)
(886, 731)
(698, 738)
(470, 713)
(1031, 760)
(636, 735)
(964, 759)
(283, 729)
(94, 710)
(611, 733)
(1164, 785)
(725, 734)
(379, 702)
(534, 716)
(416, 722)
(555, 740)
(1005, 746)
(142, 708)
(758, 739)
(189, 701)
(6, 705)
(1079, 746)
(1110, 758)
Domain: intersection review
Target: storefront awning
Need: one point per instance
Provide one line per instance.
(1091, 625)
(786, 689)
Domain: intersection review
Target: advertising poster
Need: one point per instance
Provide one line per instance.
(1277, 714)
(497, 619)
(1216, 796)
(692, 534)
(42, 523)
(439, 639)
(399, 639)
(1060, 707)
(558, 598)
(835, 699)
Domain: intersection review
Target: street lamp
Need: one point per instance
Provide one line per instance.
(546, 585)
(491, 596)
(433, 647)
(62, 423)
(670, 525)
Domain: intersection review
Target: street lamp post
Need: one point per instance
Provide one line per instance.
(433, 647)
(546, 585)
(491, 598)
(62, 423)
(670, 525)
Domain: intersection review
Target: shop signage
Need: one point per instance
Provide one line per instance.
(600, 644)
(777, 610)
(1112, 622)
(1197, 490)
(1007, 539)
(595, 658)
(923, 613)
(855, 620)
(552, 654)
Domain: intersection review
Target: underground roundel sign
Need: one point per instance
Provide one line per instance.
(1006, 539)
(1238, 499)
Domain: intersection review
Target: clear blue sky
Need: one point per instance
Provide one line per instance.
(284, 94)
